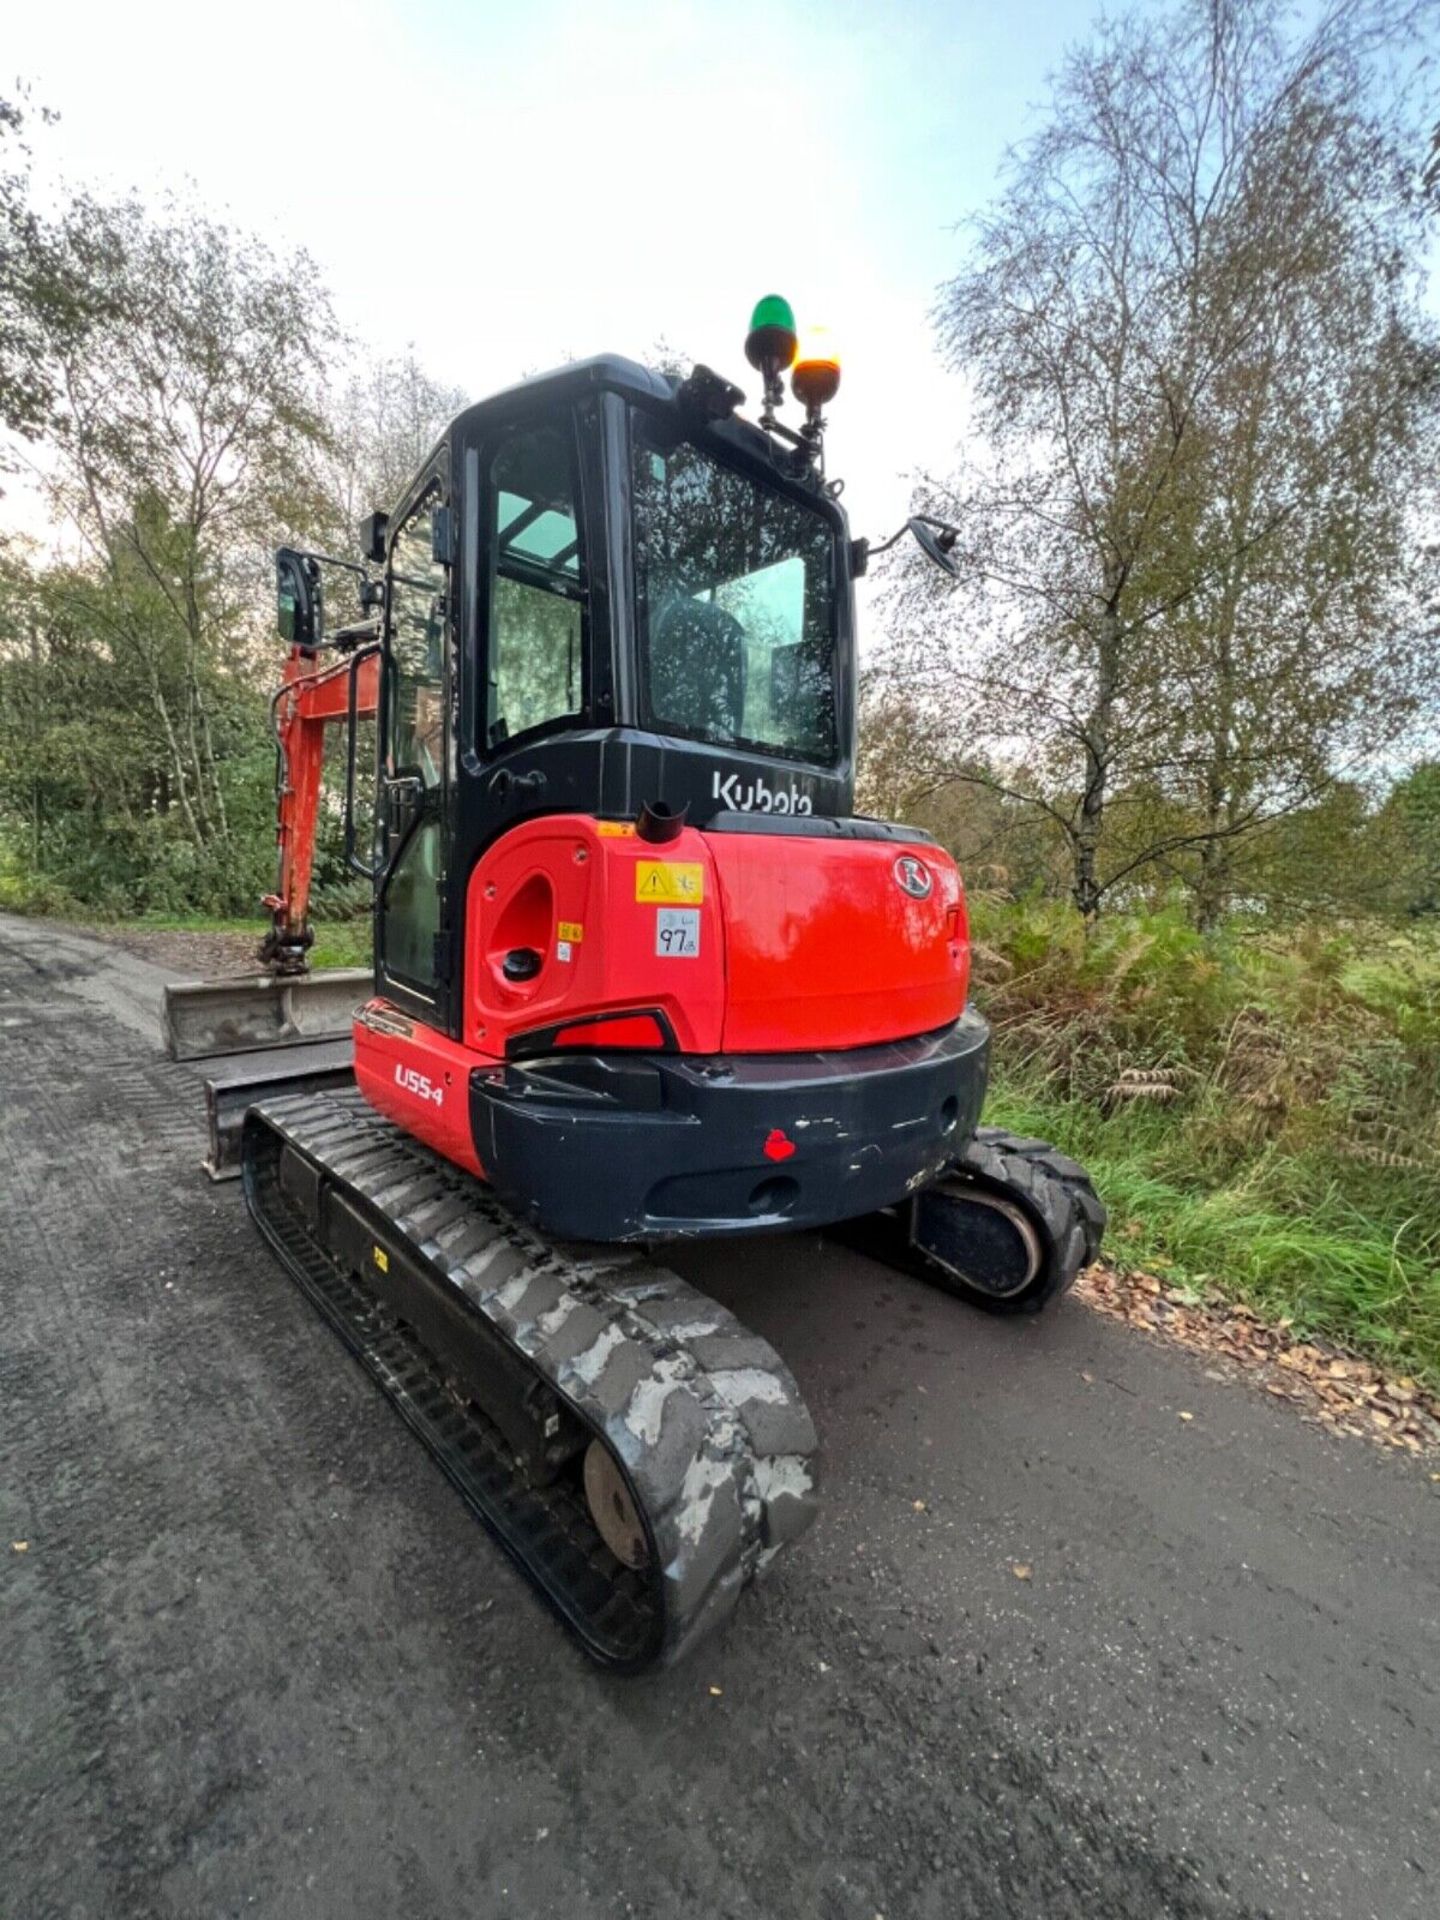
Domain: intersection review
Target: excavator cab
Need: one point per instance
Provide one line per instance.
(598, 599)
(621, 893)
(641, 975)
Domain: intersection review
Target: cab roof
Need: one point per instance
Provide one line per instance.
(615, 373)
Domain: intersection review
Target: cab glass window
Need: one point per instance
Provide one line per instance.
(537, 574)
(417, 649)
(735, 590)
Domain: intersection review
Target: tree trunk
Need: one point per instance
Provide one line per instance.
(1212, 889)
(1098, 740)
(176, 760)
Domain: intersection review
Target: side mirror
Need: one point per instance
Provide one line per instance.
(299, 598)
(373, 530)
(936, 541)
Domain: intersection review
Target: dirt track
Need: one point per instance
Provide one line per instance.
(259, 1660)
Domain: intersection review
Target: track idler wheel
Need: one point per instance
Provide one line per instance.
(612, 1507)
(1010, 1225)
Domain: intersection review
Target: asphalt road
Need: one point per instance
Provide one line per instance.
(259, 1660)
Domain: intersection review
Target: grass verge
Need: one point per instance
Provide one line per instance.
(1260, 1109)
(1279, 1234)
(338, 943)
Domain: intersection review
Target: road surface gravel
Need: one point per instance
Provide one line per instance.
(1050, 1651)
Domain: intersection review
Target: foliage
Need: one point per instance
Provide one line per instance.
(180, 438)
(1193, 580)
(1412, 814)
(1344, 853)
(184, 436)
(37, 303)
(1261, 1111)
(384, 421)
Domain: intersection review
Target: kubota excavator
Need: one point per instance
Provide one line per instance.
(641, 975)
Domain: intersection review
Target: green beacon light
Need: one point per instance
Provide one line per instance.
(770, 348)
(771, 341)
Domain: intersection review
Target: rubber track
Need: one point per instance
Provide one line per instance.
(1060, 1198)
(703, 1415)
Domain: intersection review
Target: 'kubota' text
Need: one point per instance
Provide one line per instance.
(753, 796)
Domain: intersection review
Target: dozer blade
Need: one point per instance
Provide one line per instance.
(204, 1018)
(240, 1081)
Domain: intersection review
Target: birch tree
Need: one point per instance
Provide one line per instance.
(385, 419)
(1207, 397)
(34, 300)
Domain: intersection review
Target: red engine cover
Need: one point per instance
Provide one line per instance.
(738, 943)
(837, 943)
(746, 943)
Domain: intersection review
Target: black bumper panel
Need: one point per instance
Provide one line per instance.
(654, 1146)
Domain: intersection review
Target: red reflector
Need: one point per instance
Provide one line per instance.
(643, 1030)
(777, 1146)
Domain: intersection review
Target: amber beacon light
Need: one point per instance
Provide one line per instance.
(815, 376)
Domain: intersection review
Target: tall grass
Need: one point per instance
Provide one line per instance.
(1260, 1110)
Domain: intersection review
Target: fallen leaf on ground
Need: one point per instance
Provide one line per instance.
(19, 1546)
(1341, 1391)
(1022, 1572)
(717, 1691)
(919, 1505)
(1187, 1416)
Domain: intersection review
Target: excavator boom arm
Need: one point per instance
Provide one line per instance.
(309, 700)
(245, 1024)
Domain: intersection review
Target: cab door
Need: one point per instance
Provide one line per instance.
(416, 756)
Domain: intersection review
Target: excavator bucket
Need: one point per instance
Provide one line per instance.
(265, 1037)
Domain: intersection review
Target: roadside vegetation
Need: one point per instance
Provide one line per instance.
(1260, 1107)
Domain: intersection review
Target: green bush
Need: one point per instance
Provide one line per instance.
(1261, 1111)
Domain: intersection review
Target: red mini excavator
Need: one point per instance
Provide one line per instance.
(641, 975)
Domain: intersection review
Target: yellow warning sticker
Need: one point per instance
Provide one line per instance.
(382, 1259)
(571, 930)
(670, 882)
(614, 829)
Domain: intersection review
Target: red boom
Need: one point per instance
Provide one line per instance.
(307, 702)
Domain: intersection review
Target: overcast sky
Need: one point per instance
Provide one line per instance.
(506, 185)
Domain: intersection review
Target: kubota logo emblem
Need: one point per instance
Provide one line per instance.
(912, 876)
